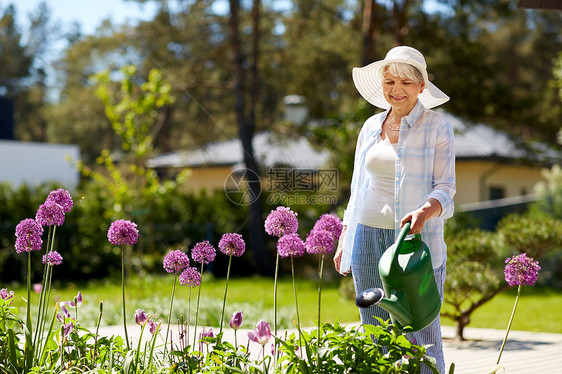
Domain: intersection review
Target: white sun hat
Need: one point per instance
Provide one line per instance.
(368, 80)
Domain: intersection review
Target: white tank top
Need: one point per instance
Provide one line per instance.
(379, 200)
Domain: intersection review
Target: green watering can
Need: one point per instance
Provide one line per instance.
(410, 292)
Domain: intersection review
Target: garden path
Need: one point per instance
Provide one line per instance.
(524, 353)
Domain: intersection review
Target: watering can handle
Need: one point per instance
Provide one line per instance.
(401, 236)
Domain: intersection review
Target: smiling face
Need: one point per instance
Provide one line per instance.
(401, 92)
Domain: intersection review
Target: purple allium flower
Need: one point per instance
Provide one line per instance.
(123, 232)
(331, 223)
(7, 296)
(281, 221)
(140, 317)
(203, 252)
(190, 277)
(261, 334)
(49, 214)
(236, 320)
(28, 234)
(521, 270)
(319, 241)
(290, 245)
(37, 287)
(52, 258)
(61, 197)
(232, 244)
(176, 261)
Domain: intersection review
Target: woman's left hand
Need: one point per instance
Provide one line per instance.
(418, 217)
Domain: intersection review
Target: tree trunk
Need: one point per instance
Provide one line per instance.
(368, 31)
(399, 21)
(246, 129)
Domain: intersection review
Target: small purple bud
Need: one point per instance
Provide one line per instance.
(153, 327)
(140, 317)
(236, 320)
(7, 296)
(261, 334)
(78, 301)
(67, 328)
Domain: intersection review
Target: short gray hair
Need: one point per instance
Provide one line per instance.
(403, 70)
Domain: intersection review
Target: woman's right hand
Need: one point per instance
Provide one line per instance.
(339, 252)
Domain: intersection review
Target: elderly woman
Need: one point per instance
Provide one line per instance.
(404, 170)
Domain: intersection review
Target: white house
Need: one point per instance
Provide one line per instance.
(36, 163)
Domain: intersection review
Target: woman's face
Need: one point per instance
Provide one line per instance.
(401, 93)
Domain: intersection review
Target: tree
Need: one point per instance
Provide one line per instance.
(23, 76)
(473, 275)
(246, 119)
(476, 259)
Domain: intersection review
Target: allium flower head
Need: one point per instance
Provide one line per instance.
(28, 234)
(190, 277)
(61, 197)
(281, 221)
(176, 261)
(52, 258)
(203, 252)
(123, 232)
(49, 214)
(331, 223)
(319, 242)
(232, 244)
(236, 320)
(521, 270)
(290, 245)
(7, 296)
(37, 287)
(261, 334)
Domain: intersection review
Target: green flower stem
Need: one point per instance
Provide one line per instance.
(197, 310)
(295, 293)
(319, 306)
(43, 289)
(97, 335)
(188, 315)
(28, 338)
(170, 314)
(225, 290)
(275, 307)
(153, 344)
(509, 324)
(123, 292)
(43, 307)
(137, 358)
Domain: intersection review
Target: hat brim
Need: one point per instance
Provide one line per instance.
(369, 84)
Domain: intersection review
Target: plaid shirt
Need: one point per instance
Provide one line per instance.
(425, 169)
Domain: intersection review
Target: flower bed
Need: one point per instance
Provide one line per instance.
(54, 341)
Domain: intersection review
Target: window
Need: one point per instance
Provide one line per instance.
(496, 193)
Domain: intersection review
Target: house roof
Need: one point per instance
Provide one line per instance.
(480, 141)
(472, 142)
(270, 151)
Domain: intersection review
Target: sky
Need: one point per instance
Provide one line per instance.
(89, 13)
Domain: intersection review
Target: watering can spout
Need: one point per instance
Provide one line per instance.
(396, 304)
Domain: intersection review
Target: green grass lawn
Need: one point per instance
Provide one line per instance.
(538, 309)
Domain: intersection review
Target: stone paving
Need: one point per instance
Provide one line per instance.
(525, 352)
